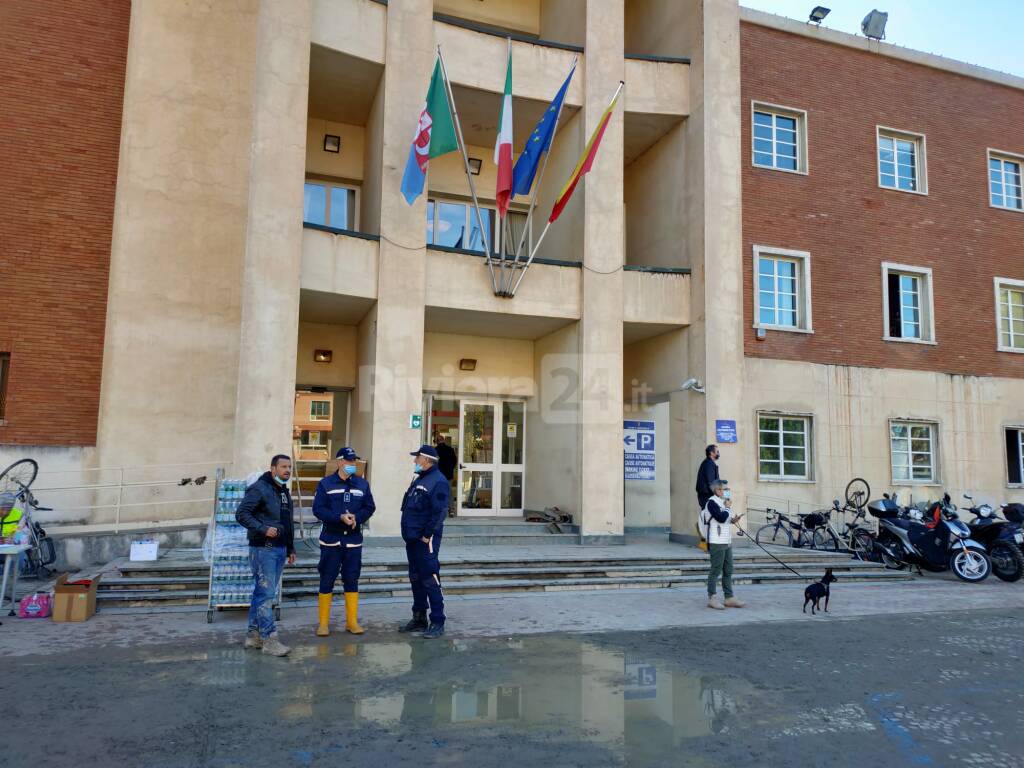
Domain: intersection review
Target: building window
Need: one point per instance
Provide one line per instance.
(320, 410)
(329, 205)
(1010, 314)
(907, 303)
(1004, 181)
(1015, 456)
(313, 439)
(783, 447)
(5, 365)
(782, 292)
(913, 447)
(455, 225)
(779, 138)
(901, 161)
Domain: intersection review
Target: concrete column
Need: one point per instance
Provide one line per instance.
(397, 373)
(714, 245)
(273, 243)
(600, 344)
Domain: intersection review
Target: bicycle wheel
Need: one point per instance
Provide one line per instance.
(774, 534)
(858, 492)
(825, 540)
(19, 476)
(862, 545)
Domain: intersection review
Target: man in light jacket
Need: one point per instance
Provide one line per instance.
(716, 521)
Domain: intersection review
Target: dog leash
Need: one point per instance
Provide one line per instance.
(773, 557)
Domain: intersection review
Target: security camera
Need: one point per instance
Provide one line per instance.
(694, 385)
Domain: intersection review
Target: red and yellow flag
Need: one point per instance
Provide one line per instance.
(586, 161)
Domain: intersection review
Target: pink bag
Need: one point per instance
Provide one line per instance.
(36, 606)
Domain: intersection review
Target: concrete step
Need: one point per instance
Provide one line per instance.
(291, 594)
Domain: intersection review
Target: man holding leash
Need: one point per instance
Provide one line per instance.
(716, 521)
(424, 509)
(343, 503)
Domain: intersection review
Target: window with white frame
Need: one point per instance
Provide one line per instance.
(452, 224)
(329, 205)
(1004, 181)
(907, 303)
(320, 410)
(913, 447)
(779, 136)
(1010, 314)
(1014, 455)
(901, 161)
(782, 289)
(783, 447)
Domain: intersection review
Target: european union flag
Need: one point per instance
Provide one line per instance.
(538, 143)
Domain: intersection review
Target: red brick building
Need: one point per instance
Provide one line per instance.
(60, 130)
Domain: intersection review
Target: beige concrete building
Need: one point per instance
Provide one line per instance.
(264, 260)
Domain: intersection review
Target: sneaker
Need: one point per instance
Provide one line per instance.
(714, 602)
(253, 640)
(274, 647)
(732, 602)
(433, 631)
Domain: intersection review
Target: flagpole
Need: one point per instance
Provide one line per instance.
(465, 163)
(536, 185)
(533, 252)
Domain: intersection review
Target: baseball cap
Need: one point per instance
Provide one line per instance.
(426, 450)
(346, 453)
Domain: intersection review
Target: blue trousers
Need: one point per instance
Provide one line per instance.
(346, 560)
(425, 577)
(267, 564)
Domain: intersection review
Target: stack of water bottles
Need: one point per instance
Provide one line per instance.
(230, 575)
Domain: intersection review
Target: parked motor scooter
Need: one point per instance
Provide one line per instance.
(1001, 539)
(944, 543)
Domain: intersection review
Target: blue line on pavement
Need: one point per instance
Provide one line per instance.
(896, 732)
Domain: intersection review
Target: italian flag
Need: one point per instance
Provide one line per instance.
(503, 146)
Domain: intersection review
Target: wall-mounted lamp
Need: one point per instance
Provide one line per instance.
(474, 165)
(467, 364)
(332, 143)
(322, 356)
(693, 385)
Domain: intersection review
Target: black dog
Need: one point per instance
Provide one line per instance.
(818, 590)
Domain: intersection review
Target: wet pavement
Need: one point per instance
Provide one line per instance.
(935, 689)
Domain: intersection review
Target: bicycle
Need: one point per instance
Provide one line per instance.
(815, 529)
(41, 553)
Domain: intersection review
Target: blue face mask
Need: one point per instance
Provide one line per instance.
(416, 468)
(281, 481)
(727, 494)
(350, 469)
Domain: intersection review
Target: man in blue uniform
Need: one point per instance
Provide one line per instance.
(424, 509)
(343, 503)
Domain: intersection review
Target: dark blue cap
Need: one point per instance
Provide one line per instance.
(426, 450)
(346, 453)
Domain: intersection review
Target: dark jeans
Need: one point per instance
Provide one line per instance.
(424, 576)
(721, 565)
(267, 564)
(340, 559)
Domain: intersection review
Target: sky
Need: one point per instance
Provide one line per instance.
(982, 32)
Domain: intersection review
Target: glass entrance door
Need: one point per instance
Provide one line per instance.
(490, 480)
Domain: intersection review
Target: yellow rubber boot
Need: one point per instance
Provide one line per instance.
(324, 607)
(352, 613)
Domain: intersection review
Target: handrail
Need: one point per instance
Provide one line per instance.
(656, 270)
(339, 231)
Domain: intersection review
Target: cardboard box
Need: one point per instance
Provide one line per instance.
(144, 550)
(74, 602)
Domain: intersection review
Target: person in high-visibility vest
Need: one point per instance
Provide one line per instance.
(10, 515)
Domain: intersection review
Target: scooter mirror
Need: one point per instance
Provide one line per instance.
(968, 497)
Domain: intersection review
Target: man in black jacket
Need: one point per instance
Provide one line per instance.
(706, 474)
(266, 514)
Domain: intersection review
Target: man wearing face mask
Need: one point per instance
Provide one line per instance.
(706, 474)
(424, 509)
(343, 503)
(266, 514)
(716, 521)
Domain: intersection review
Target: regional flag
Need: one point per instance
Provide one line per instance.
(586, 161)
(503, 146)
(435, 135)
(538, 143)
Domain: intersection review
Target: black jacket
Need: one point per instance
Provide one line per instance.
(425, 505)
(447, 460)
(708, 471)
(267, 505)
